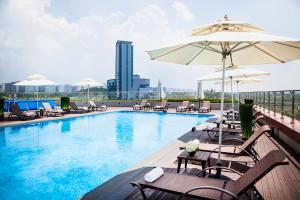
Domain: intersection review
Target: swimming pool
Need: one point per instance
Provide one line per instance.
(64, 159)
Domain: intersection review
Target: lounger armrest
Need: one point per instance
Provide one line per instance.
(210, 188)
(237, 147)
(220, 167)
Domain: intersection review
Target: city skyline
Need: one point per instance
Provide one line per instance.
(55, 38)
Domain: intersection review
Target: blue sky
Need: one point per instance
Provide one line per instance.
(68, 40)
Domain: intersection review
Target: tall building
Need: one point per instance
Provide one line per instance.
(124, 69)
(111, 88)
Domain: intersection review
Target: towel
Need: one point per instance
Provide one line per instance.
(154, 174)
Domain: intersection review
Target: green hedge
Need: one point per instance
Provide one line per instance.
(246, 113)
(1, 106)
(65, 103)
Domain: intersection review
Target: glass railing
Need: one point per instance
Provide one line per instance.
(285, 102)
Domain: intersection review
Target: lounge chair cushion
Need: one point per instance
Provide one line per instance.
(182, 183)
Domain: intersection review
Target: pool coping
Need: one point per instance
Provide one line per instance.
(69, 116)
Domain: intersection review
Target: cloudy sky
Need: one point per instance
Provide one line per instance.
(68, 40)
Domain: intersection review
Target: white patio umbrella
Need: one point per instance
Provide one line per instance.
(229, 43)
(239, 81)
(88, 82)
(232, 73)
(36, 80)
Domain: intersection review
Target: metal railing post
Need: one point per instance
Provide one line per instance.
(264, 100)
(269, 101)
(293, 106)
(282, 104)
(274, 103)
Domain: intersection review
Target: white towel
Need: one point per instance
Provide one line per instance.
(154, 174)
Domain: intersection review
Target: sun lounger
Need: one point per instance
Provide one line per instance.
(205, 108)
(16, 111)
(184, 106)
(76, 108)
(208, 188)
(140, 106)
(49, 111)
(244, 149)
(162, 106)
(94, 107)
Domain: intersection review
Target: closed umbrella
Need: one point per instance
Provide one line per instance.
(88, 82)
(36, 80)
(229, 43)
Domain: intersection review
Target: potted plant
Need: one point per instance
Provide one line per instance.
(246, 114)
(1, 109)
(192, 147)
(65, 104)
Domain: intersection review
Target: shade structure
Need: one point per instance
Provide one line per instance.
(232, 73)
(227, 46)
(88, 82)
(36, 80)
(239, 81)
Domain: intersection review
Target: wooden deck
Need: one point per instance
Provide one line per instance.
(283, 182)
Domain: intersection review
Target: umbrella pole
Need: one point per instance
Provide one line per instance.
(232, 101)
(88, 92)
(37, 97)
(238, 93)
(218, 174)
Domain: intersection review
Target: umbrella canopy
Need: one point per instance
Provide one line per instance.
(228, 46)
(88, 82)
(36, 80)
(233, 73)
(241, 81)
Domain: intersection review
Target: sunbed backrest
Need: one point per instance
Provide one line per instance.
(47, 106)
(92, 104)
(15, 109)
(259, 170)
(73, 105)
(163, 103)
(206, 104)
(143, 102)
(257, 133)
(185, 104)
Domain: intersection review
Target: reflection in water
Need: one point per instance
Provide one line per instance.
(124, 131)
(159, 126)
(2, 138)
(66, 126)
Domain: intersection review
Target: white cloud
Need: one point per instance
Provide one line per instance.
(35, 41)
(182, 10)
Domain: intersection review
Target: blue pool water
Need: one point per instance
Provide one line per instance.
(64, 159)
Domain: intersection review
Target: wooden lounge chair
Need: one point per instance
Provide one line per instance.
(94, 107)
(49, 111)
(140, 106)
(230, 130)
(207, 188)
(163, 106)
(184, 106)
(246, 148)
(76, 108)
(23, 115)
(205, 108)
